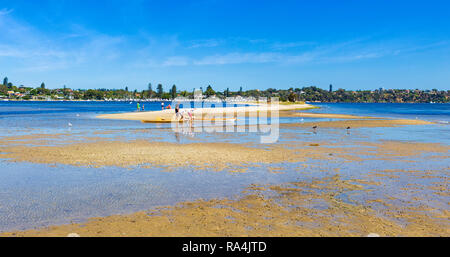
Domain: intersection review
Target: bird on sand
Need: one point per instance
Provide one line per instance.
(314, 128)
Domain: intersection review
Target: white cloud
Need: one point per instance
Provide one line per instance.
(176, 61)
(5, 11)
(237, 58)
(77, 46)
(204, 43)
(33, 50)
(281, 46)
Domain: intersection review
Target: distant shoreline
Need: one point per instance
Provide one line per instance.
(212, 101)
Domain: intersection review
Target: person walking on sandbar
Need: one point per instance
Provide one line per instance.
(177, 111)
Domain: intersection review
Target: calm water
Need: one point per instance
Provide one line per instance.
(34, 195)
(424, 111)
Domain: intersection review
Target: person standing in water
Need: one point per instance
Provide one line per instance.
(177, 110)
(191, 117)
(138, 107)
(162, 105)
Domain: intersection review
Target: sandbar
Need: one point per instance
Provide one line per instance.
(201, 113)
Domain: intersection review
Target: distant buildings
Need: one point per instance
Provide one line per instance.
(198, 95)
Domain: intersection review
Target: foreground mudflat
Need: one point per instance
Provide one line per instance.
(284, 210)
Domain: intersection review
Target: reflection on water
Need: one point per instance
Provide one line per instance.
(184, 129)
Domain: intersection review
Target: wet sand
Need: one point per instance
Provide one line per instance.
(218, 156)
(281, 210)
(142, 152)
(98, 152)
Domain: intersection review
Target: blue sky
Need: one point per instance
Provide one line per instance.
(254, 44)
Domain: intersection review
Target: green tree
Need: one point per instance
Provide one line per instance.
(3, 90)
(165, 95)
(209, 91)
(292, 96)
(160, 90)
(150, 91)
(5, 81)
(174, 91)
(43, 85)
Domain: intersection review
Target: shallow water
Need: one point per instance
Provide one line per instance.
(34, 195)
(424, 111)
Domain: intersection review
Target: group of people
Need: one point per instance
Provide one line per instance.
(167, 107)
(180, 115)
(139, 107)
(184, 115)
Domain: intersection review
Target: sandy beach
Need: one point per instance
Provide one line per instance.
(200, 113)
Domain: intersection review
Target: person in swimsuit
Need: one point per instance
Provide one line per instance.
(177, 111)
(162, 105)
